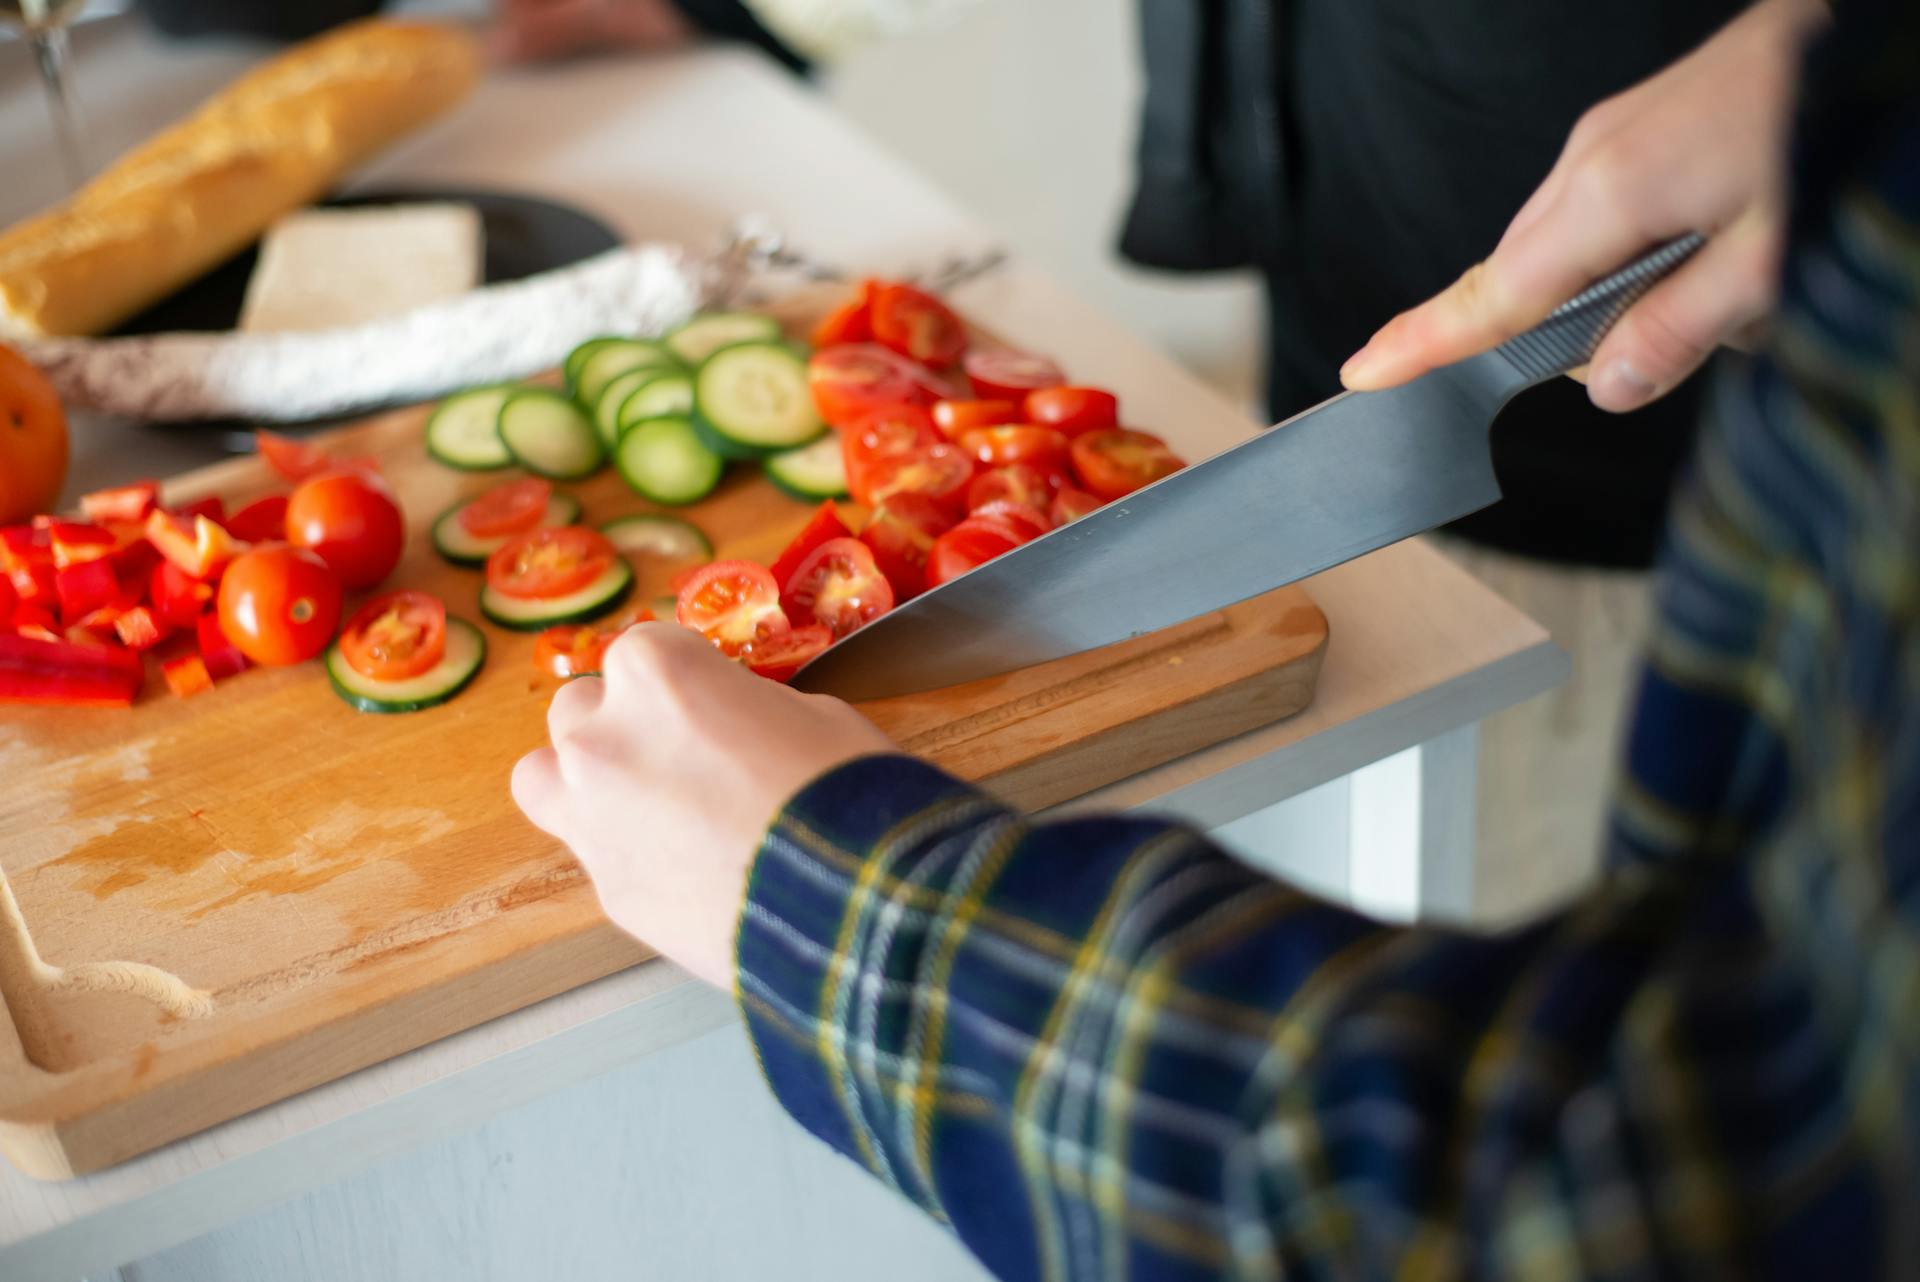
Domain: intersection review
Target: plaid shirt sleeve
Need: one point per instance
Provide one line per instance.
(1100, 1048)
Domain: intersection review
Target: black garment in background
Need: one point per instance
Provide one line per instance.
(1362, 154)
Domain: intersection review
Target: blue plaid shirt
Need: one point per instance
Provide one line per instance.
(1100, 1048)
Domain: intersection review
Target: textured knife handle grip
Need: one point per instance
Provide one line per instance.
(1568, 338)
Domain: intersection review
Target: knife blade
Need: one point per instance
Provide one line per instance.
(1352, 474)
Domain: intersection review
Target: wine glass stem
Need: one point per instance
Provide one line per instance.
(50, 50)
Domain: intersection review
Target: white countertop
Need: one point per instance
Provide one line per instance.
(676, 149)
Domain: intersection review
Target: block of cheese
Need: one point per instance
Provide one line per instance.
(322, 268)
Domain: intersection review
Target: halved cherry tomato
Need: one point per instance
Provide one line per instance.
(549, 562)
(1117, 461)
(293, 460)
(901, 533)
(1003, 374)
(1073, 409)
(825, 524)
(883, 433)
(734, 604)
(279, 605)
(779, 657)
(1030, 520)
(507, 509)
(852, 321)
(916, 324)
(955, 417)
(261, 521)
(1071, 504)
(351, 522)
(974, 541)
(1018, 482)
(838, 585)
(856, 378)
(941, 472)
(1043, 447)
(395, 636)
(571, 650)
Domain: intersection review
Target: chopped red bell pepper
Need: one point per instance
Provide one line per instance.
(34, 583)
(178, 597)
(85, 587)
(186, 675)
(36, 620)
(136, 558)
(261, 521)
(212, 507)
(222, 656)
(122, 503)
(140, 628)
(75, 542)
(8, 600)
(196, 544)
(80, 634)
(25, 545)
(55, 671)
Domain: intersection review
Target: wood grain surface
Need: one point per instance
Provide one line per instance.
(211, 904)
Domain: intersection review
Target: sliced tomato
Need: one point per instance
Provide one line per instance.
(1071, 504)
(780, 656)
(395, 636)
(941, 472)
(1003, 374)
(825, 524)
(1042, 447)
(571, 650)
(901, 533)
(955, 417)
(1117, 461)
(293, 460)
(838, 585)
(858, 378)
(852, 321)
(549, 562)
(974, 541)
(1073, 410)
(1017, 482)
(123, 503)
(1030, 520)
(734, 604)
(916, 324)
(261, 521)
(883, 433)
(512, 508)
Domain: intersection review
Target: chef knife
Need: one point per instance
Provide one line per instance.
(1350, 475)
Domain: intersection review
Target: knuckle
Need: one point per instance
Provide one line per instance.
(1669, 345)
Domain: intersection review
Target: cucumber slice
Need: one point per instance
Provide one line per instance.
(664, 459)
(816, 471)
(663, 393)
(531, 614)
(464, 432)
(704, 335)
(611, 361)
(753, 399)
(578, 357)
(606, 407)
(667, 537)
(549, 436)
(453, 541)
(466, 651)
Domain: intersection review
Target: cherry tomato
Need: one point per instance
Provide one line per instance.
(351, 522)
(825, 524)
(838, 585)
(549, 562)
(780, 656)
(1004, 374)
(575, 650)
(734, 604)
(941, 472)
(1073, 409)
(1019, 482)
(279, 605)
(395, 636)
(974, 541)
(955, 417)
(512, 508)
(292, 460)
(1117, 461)
(856, 378)
(261, 521)
(901, 533)
(1071, 504)
(916, 324)
(852, 321)
(879, 434)
(1030, 520)
(1043, 447)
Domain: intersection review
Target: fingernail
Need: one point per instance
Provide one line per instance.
(1358, 363)
(1620, 387)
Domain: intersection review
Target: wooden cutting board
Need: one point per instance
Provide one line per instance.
(210, 904)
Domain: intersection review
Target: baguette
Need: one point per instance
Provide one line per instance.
(196, 194)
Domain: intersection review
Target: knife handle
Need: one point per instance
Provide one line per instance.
(1568, 338)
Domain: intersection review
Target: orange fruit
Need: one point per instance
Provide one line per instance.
(33, 440)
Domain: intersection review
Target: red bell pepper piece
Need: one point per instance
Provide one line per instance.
(34, 583)
(75, 542)
(85, 587)
(37, 620)
(57, 672)
(211, 507)
(25, 545)
(80, 634)
(178, 597)
(197, 544)
(121, 503)
(140, 628)
(186, 675)
(261, 521)
(222, 657)
(8, 600)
